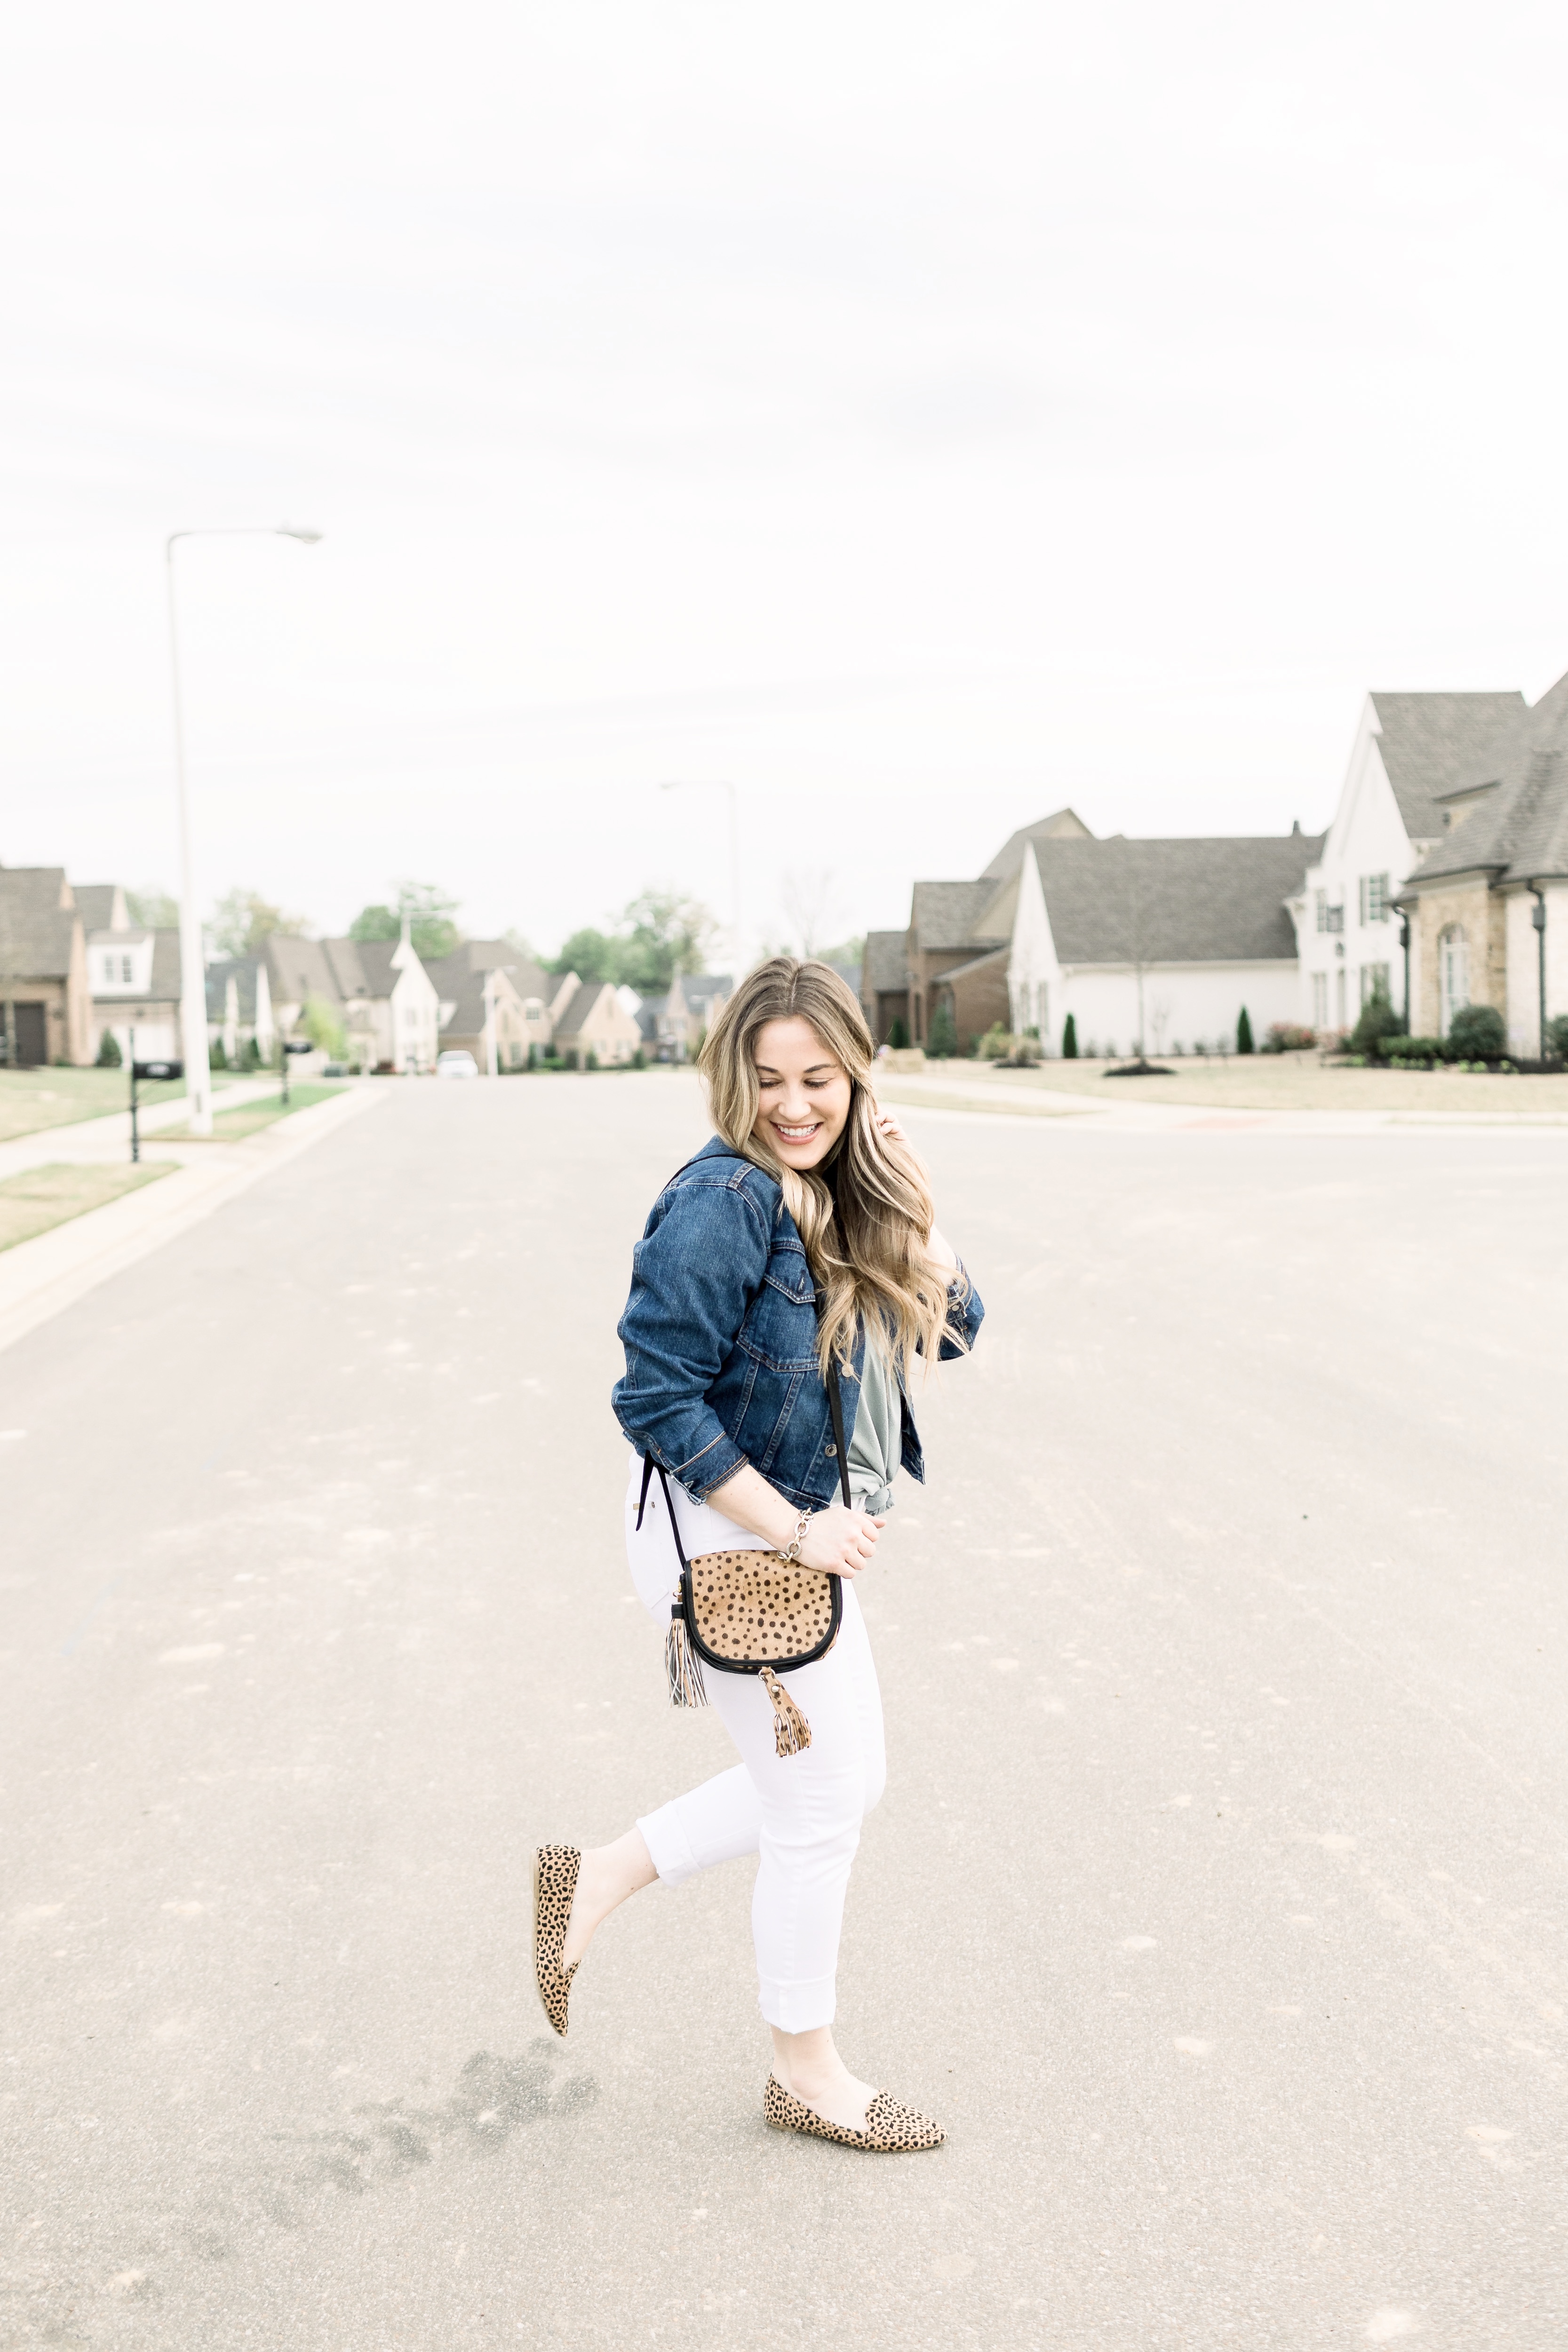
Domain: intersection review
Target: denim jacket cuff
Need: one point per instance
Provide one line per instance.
(711, 1468)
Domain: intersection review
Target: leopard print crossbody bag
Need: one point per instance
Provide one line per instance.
(751, 1612)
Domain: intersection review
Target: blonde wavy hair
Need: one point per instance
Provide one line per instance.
(866, 1232)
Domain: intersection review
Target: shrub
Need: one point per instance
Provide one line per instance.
(325, 1031)
(898, 1033)
(1377, 1020)
(533, 1054)
(108, 1054)
(1070, 1038)
(217, 1055)
(1476, 1034)
(591, 1061)
(250, 1056)
(1400, 1048)
(1243, 1033)
(996, 1045)
(639, 1059)
(1557, 1036)
(1286, 1037)
(942, 1042)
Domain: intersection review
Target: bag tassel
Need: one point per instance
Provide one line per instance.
(791, 1733)
(683, 1669)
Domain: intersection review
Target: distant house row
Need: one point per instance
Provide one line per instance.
(73, 966)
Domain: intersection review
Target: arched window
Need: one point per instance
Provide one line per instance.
(1453, 975)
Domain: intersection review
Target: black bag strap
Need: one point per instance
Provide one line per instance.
(835, 1407)
(648, 1467)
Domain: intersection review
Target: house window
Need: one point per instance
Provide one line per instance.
(1374, 981)
(1340, 994)
(1453, 974)
(125, 968)
(1374, 898)
(1322, 900)
(1320, 1000)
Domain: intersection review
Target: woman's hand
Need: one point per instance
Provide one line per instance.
(939, 1248)
(889, 1128)
(840, 1541)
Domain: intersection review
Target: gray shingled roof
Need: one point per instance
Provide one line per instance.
(1435, 743)
(886, 970)
(166, 983)
(298, 969)
(1520, 833)
(35, 930)
(95, 905)
(1202, 901)
(945, 913)
(244, 970)
(584, 997)
(1062, 825)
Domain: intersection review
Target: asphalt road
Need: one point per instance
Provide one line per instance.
(1215, 1903)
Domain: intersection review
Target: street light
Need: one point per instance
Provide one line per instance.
(193, 970)
(681, 783)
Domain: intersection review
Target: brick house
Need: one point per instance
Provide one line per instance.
(595, 1021)
(46, 1007)
(1489, 903)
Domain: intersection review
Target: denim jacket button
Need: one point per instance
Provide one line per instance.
(831, 1452)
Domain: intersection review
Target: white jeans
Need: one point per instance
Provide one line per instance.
(801, 1815)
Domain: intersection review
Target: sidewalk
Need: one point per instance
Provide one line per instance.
(39, 1278)
(974, 1097)
(109, 1137)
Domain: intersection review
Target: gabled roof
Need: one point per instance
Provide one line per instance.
(101, 906)
(946, 914)
(1520, 833)
(1438, 743)
(585, 1002)
(1184, 901)
(166, 982)
(1062, 825)
(38, 922)
(886, 970)
(243, 971)
(297, 969)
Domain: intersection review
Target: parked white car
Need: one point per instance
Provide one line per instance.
(459, 1063)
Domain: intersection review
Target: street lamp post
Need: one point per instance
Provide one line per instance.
(192, 970)
(680, 784)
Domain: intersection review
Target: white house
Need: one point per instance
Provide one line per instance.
(133, 974)
(1153, 943)
(1418, 763)
(387, 1003)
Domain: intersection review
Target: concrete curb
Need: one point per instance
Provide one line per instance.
(40, 1277)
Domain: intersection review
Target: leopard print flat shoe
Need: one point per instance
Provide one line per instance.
(890, 2126)
(554, 1884)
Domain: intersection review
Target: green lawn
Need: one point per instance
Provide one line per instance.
(1247, 1082)
(30, 1203)
(234, 1126)
(32, 1099)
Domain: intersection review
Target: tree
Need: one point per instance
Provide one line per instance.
(661, 934)
(942, 1042)
(1070, 1038)
(431, 925)
(217, 1055)
(1557, 1036)
(108, 1054)
(899, 1033)
(1476, 1034)
(808, 903)
(1243, 1033)
(322, 1024)
(592, 955)
(243, 921)
(152, 908)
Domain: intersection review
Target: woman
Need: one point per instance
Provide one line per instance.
(802, 1236)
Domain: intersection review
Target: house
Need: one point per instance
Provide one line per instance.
(377, 989)
(595, 1021)
(694, 1001)
(479, 972)
(1152, 943)
(1488, 902)
(46, 1009)
(239, 1007)
(885, 983)
(1418, 763)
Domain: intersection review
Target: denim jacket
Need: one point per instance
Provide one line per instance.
(720, 1333)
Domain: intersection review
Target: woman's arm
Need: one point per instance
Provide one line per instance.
(838, 1540)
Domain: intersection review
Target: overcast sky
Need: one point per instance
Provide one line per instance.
(921, 415)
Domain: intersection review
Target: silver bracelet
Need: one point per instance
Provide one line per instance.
(792, 1549)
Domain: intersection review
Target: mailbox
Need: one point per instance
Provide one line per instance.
(157, 1069)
